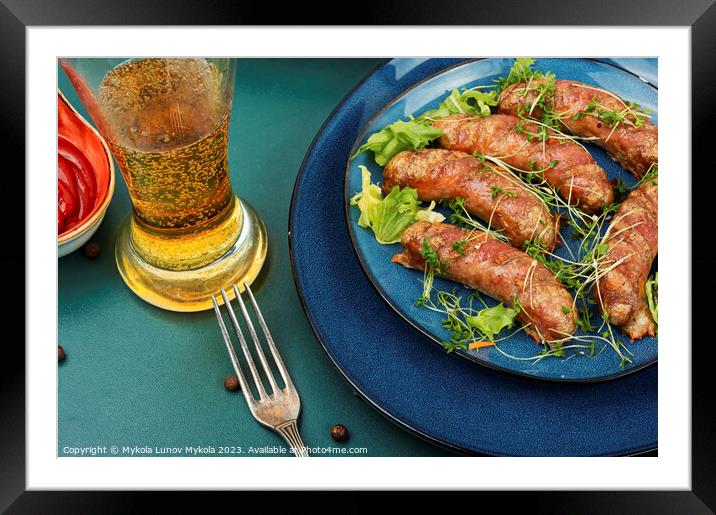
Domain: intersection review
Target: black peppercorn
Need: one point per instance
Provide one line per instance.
(91, 249)
(60, 353)
(231, 383)
(340, 433)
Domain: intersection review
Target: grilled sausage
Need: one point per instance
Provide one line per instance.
(490, 194)
(633, 147)
(498, 270)
(576, 176)
(632, 240)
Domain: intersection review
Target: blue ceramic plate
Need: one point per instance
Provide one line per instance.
(401, 287)
(397, 370)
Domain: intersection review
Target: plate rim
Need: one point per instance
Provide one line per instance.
(381, 291)
(312, 323)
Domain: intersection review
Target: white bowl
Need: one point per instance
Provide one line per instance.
(73, 127)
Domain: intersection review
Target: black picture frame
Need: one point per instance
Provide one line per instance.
(699, 15)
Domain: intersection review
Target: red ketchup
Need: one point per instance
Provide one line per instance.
(76, 186)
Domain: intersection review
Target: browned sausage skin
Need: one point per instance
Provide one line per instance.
(497, 270)
(632, 240)
(490, 194)
(576, 176)
(633, 147)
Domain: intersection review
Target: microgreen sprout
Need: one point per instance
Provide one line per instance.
(460, 216)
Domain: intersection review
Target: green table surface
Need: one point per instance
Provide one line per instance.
(140, 377)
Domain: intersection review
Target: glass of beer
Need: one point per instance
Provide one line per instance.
(166, 121)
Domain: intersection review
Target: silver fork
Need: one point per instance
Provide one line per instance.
(278, 410)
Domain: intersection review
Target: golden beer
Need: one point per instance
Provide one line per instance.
(166, 122)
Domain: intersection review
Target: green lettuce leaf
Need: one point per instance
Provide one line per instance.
(416, 133)
(470, 101)
(652, 296)
(369, 196)
(490, 321)
(395, 214)
(388, 217)
(522, 71)
(428, 215)
(396, 137)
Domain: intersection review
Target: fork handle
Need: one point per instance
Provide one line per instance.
(289, 431)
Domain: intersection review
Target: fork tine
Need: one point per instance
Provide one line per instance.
(244, 347)
(232, 354)
(255, 338)
(276, 411)
(274, 350)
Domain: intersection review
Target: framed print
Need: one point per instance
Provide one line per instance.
(423, 256)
